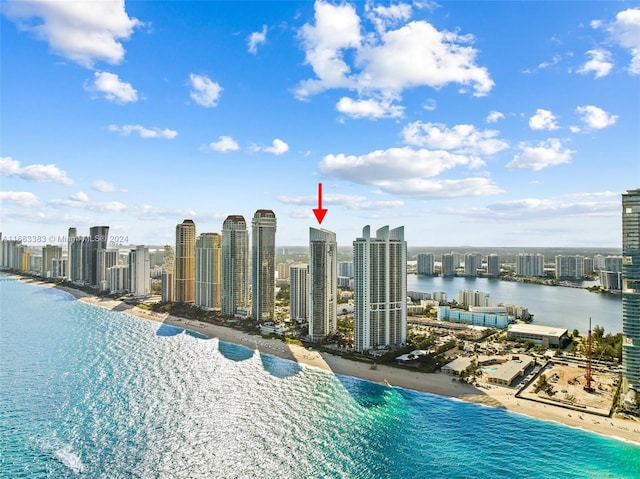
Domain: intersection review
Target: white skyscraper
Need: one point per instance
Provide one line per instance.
(493, 265)
(380, 289)
(426, 264)
(140, 271)
(299, 292)
(323, 276)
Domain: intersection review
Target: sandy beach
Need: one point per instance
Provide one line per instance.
(434, 383)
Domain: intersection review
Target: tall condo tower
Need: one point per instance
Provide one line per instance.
(185, 262)
(263, 265)
(208, 271)
(140, 271)
(235, 264)
(299, 292)
(380, 289)
(72, 237)
(323, 278)
(98, 238)
(631, 297)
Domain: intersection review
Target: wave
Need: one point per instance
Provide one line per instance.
(70, 459)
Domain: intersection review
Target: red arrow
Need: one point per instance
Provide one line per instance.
(320, 211)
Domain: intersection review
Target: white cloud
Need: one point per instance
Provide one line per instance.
(625, 30)
(387, 61)
(427, 189)
(600, 63)
(352, 202)
(126, 130)
(459, 138)
(36, 172)
(596, 118)
(205, 92)
(105, 186)
(547, 208)
(494, 116)
(543, 120)
(278, 147)
(257, 38)
(95, 206)
(79, 196)
(84, 32)
(544, 154)
(384, 17)
(20, 198)
(224, 143)
(372, 109)
(113, 88)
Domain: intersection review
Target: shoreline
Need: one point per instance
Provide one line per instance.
(440, 384)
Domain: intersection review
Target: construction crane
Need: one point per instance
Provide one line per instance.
(587, 386)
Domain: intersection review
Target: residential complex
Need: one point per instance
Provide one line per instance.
(299, 292)
(323, 275)
(208, 257)
(263, 266)
(235, 265)
(631, 296)
(185, 262)
(380, 289)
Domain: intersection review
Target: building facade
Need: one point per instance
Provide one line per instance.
(185, 262)
(209, 271)
(631, 297)
(380, 289)
(235, 265)
(493, 265)
(98, 240)
(263, 265)
(472, 262)
(140, 271)
(426, 264)
(299, 292)
(529, 264)
(323, 276)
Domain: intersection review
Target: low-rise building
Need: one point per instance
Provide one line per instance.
(508, 371)
(546, 336)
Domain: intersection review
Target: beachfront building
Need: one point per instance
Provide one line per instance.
(299, 292)
(493, 265)
(631, 297)
(323, 275)
(98, 240)
(235, 265)
(49, 252)
(118, 278)
(506, 373)
(208, 287)
(472, 262)
(426, 264)
(488, 319)
(77, 259)
(569, 267)
(72, 237)
(166, 277)
(546, 336)
(105, 259)
(139, 263)
(529, 264)
(185, 262)
(263, 265)
(380, 289)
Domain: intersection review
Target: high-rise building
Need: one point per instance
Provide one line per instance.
(49, 252)
(613, 263)
(569, 267)
(284, 270)
(117, 278)
(469, 297)
(185, 262)
(235, 264)
(529, 264)
(493, 266)
(426, 264)
(72, 237)
(105, 259)
(299, 292)
(263, 265)
(77, 259)
(631, 297)
(209, 271)
(139, 271)
(449, 265)
(323, 275)
(166, 277)
(98, 238)
(380, 289)
(472, 262)
(345, 269)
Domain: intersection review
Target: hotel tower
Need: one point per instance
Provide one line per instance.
(185, 262)
(263, 265)
(235, 264)
(631, 297)
(323, 278)
(380, 289)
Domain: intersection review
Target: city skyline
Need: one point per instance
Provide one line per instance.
(486, 123)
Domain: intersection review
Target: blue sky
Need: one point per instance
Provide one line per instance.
(470, 123)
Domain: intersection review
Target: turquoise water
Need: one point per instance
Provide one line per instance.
(87, 392)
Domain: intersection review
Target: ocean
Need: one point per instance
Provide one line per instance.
(88, 392)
